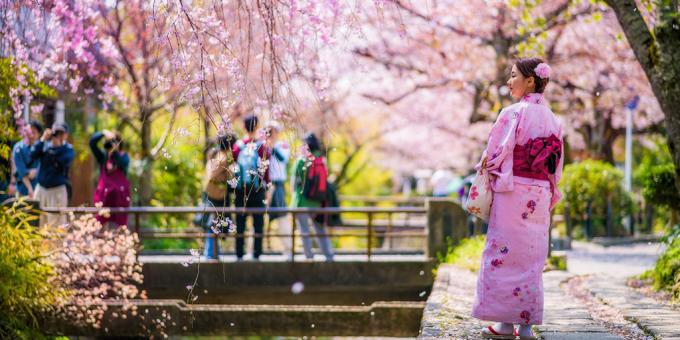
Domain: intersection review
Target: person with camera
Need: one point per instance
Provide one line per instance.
(216, 194)
(113, 187)
(55, 155)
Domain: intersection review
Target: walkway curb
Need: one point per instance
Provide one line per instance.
(658, 319)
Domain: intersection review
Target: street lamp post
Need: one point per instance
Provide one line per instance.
(628, 167)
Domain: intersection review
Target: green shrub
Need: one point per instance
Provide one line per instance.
(26, 278)
(466, 254)
(658, 184)
(556, 262)
(595, 182)
(656, 176)
(666, 272)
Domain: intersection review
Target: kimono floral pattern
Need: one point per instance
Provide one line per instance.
(510, 286)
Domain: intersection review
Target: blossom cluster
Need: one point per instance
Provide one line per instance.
(95, 265)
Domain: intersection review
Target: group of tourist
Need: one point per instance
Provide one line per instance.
(251, 172)
(39, 169)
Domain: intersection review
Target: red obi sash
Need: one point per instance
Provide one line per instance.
(537, 158)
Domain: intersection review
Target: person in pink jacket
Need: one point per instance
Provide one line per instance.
(524, 157)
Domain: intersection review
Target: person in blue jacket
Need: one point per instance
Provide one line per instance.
(55, 155)
(26, 168)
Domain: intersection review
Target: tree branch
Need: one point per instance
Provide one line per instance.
(451, 28)
(388, 63)
(127, 121)
(416, 88)
(166, 133)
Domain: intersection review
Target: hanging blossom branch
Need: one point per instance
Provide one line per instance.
(58, 42)
(243, 53)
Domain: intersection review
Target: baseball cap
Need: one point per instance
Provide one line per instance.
(60, 127)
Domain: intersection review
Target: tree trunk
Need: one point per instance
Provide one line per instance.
(145, 179)
(669, 98)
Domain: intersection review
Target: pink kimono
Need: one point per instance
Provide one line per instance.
(525, 158)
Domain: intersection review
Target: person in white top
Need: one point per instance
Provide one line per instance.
(278, 174)
(440, 182)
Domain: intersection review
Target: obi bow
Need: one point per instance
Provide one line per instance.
(544, 153)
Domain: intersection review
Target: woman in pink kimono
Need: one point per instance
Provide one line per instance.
(524, 158)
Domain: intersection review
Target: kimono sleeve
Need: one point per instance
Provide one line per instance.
(499, 150)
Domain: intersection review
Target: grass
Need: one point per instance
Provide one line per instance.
(466, 254)
(556, 262)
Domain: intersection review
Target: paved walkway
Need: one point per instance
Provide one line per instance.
(565, 317)
(591, 301)
(447, 312)
(616, 261)
(656, 319)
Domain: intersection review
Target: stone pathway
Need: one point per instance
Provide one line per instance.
(447, 312)
(565, 318)
(659, 320)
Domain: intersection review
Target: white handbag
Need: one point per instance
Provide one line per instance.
(479, 198)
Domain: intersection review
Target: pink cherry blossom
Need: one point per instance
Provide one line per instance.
(542, 71)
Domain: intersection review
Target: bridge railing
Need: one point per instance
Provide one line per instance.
(373, 228)
(397, 200)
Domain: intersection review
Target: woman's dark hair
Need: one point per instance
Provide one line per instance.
(250, 123)
(36, 125)
(312, 142)
(526, 66)
(225, 142)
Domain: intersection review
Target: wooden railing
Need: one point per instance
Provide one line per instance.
(387, 229)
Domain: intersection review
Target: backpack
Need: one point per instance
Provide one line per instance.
(316, 182)
(248, 160)
(331, 220)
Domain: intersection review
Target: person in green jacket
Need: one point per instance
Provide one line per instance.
(314, 159)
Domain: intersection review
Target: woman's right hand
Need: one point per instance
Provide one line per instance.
(108, 134)
(47, 134)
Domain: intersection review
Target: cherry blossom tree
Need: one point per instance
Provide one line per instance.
(594, 98)
(57, 42)
(416, 68)
(438, 83)
(433, 65)
(211, 55)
